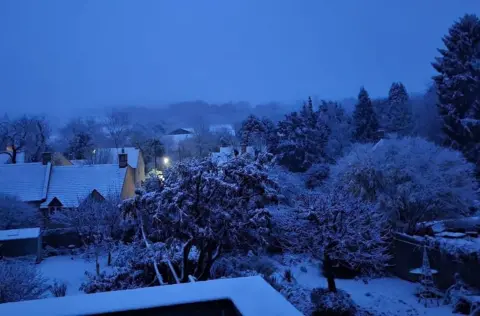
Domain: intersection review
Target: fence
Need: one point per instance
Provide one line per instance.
(409, 253)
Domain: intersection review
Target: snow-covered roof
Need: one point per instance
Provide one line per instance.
(251, 296)
(71, 184)
(79, 161)
(15, 234)
(222, 127)
(5, 158)
(27, 181)
(182, 131)
(132, 155)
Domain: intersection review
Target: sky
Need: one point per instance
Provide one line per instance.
(65, 56)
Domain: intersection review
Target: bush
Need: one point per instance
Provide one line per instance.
(17, 214)
(316, 175)
(412, 179)
(332, 303)
(58, 289)
(20, 281)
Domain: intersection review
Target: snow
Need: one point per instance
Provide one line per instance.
(15, 234)
(71, 270)
(456, 246)
(26, 181)
(382, 296)
(251, 296)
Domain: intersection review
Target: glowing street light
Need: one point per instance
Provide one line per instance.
(166, 160)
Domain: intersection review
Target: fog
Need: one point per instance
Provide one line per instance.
(68, 58)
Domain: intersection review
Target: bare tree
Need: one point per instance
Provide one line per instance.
(17, 214)
(96, 221)
(20, 281)
(117, 124)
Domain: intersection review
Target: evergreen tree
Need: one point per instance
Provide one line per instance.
(399, 115)
(252, 129)
(80, 146)
(458, 86)
(365, 119)
(271, 135)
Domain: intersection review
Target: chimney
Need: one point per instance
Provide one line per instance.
(46, 158)
(122, 159)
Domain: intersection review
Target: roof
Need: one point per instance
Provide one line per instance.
(181, 131)
(27, 181)
(79, 161)
(15, 234)
(5, 158)
(132, 155)
(228, 128)
(70, 184)
(251, 296)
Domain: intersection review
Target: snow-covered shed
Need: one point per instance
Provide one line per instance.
(20, 242)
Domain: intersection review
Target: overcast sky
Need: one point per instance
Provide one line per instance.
(73, 54)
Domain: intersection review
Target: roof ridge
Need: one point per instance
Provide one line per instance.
(46, 181)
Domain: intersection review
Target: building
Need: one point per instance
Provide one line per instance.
(135, 161)
(46, 186)
(173, 138)
(21, 242)
(248, 296)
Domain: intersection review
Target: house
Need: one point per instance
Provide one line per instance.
(110, 156)
(47, 186)
(173, 138)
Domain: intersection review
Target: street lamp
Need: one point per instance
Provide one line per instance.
(166, 160)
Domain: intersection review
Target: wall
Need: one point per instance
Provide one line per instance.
(140, 170)
(128, 189)
(20, 247)
(408, 255)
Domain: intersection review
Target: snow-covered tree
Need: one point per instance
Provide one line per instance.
(117, 124)
(80, 146)
(303, 137)
(410, 178)
(348, 231)
(365, 119)
(341, 128)
(399, 114)
(251, 130)
(97, 222)
(458, 86)
(20, 281)
(17, 214)
(427, 120)
(210, 208)
(271, 135)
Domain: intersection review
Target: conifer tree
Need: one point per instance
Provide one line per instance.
(365, 119)
(458, 86)
(399, 114)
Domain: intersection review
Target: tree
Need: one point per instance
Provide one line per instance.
(28, 134)
(96, 220)
(399, 115)
(427, 120)
(80, 146)
(350, 232)
(411, 179)
(208, 208)
(458, 86)
(20, 281)
(302, 138)
(251, 130)
(152, 149)
(17, 214)
(271, 134)
(117, 124)
(365, 119)
(340, 126)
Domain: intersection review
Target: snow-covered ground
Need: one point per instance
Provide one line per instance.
(70, 269)
(382, 296)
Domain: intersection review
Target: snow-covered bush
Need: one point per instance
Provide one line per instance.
(58, 289)
(20, 281)
(316, 175)
(210, 208)
(153, 181)
(17, 214)
(410, 178)
(329, 303)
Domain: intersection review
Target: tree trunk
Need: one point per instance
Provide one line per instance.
(201, 258)
(109, 261)
(97, 263)
(186, 252)
(14, 154)
(328, 269)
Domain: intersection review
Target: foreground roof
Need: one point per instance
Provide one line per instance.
(251, 296)
(71, 184)
(15, 234)
(27, 181)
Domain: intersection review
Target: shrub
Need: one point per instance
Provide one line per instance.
(20, 281)
(316, 175)
(17, 214)
(328, 303)
(58, 289)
